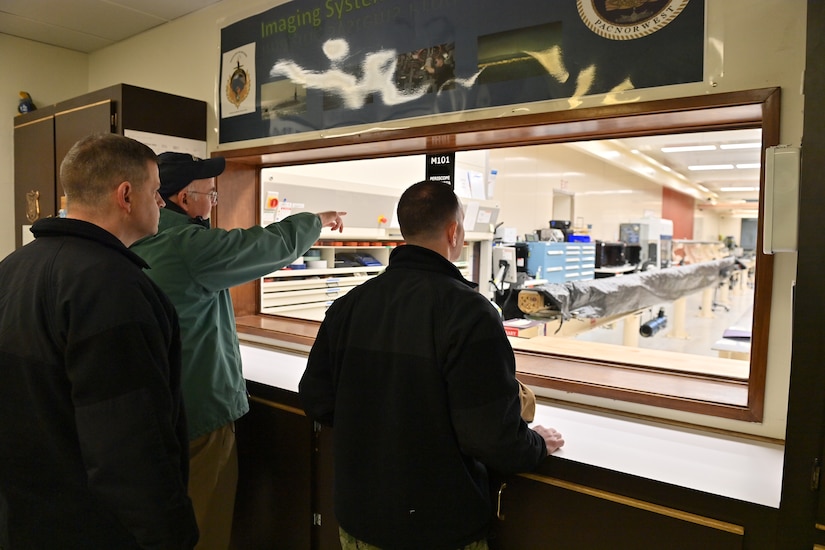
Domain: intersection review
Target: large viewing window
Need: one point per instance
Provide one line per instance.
(665, 374)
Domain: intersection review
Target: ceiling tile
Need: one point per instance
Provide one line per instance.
(93, 17)
(88, 25)
(165, 9)
(50, 34)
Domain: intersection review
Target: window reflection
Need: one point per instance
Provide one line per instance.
(632, 206)
(646, 203)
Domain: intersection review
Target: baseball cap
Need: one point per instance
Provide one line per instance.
(177, 170)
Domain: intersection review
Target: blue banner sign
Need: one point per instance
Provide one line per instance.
(310, 65)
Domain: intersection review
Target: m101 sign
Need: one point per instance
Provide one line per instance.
(441, 167)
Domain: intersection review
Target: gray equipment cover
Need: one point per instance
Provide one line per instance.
(616, 295)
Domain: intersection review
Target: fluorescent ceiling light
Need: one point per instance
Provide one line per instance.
(613, 192)
(751, 145)
(539, 175)
(688, 148)
(738, 189)
(609, 154)
(748, 165)
(699, 167)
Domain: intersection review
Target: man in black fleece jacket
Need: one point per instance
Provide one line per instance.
(415, 373)
(93, 445)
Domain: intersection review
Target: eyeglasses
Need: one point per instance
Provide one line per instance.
(213, 195)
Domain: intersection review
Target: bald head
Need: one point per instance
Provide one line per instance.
(425, 208)
(430, 215)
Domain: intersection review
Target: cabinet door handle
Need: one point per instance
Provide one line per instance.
(499, 515)
(33, 205)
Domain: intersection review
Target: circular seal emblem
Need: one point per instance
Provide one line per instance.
(238, 84)
(628, 19)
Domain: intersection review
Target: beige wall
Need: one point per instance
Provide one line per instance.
(605, 195)
(181, 57)
(750, 45)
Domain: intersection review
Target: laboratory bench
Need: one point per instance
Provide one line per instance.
(619, 482)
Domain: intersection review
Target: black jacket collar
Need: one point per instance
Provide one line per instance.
(410, 256)
(69, 227)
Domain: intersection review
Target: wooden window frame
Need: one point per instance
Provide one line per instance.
(239, 188)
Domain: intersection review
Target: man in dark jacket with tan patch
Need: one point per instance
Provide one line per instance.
(415, 373)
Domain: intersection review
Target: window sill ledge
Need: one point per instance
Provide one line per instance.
(551, 364)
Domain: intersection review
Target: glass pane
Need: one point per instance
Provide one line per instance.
(368, 191)
(634, 207)
(644, 212)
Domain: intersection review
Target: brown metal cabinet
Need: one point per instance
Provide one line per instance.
(286, 483)
(570, 506)
(273, 504)
(325, 529)
(34, 169)
(284, 497)
(43, 137)
(548, 513)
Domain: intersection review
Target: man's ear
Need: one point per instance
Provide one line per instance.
(123, 195)
(452, 233)
(180, 198)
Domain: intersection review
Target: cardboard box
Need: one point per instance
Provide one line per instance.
(525, 328)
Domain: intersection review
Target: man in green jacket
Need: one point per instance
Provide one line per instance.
(196, 265)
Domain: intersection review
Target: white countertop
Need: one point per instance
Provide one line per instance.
(274, 368)
(725, 465)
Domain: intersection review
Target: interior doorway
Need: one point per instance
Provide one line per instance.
(563, 205)
(748, 233)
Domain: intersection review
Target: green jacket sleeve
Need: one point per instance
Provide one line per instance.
(219, 259)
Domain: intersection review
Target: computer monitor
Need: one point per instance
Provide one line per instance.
(504, 264)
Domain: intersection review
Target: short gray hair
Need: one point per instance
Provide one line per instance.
(98, 163)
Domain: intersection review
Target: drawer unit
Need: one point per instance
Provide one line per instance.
(587, 269)
(547, 260)
(294, 297)
(561, 262)
(280, 294)
(276, 284)
(581, 259)
(308, 312)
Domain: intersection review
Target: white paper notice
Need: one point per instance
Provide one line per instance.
(237, 88)
(484, 216)
(476, 185)
(470, 216)
(160, 143)
(462, 184)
